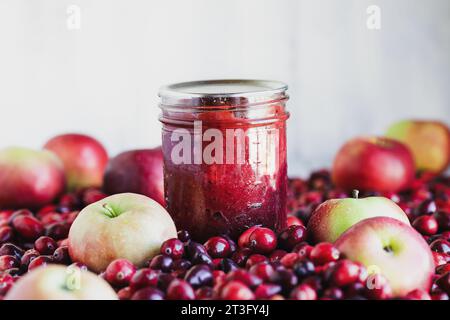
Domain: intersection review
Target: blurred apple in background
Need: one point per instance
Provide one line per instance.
(56, 282)
(84, 159)
(137, 171)
(392, 247)
(29, 178)
(127, 226)
(333, 217)
(429, 142)
(373, 164)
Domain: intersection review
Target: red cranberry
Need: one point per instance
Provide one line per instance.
(443, 220)
(236, 290)
(198, 254)
(204, 293)
(199, 276)
(245, 277)
(441, 246)
(6, 282)
(262, 240)
(184, 235)
(426, 225)
(244, 238)
(218, 247)
(427, 207)
(228, 265)
(92, 195)
(354, 289)
(267, 290)
(304, 269)
(164, 281)
(241, 256)
(51, 217)
(173, 248)
(28, 227)
(19, 213)
(39, 261)
(289, 260)
(180, 290)
(418, 294)
(277, 255)
(69, 200)
(303, 250)
(439, 258)
(27, 257)
(45, 245)
(443, 269)
(294, 221)
(57, 230)
(333, 293)
(161, 262)
(61, 255)
(377, 287)
(181, 265)
(263, 270)
(444, 282)
(285, 278)
(8, 262)
(125, 293)
(254, 259)
(344, 272)
(6, 234)
(148, 293)
(292, 236)
(144, 278)
(119, 272)
(440, 296)
(12, 250)
(324, 252)
(303, 292)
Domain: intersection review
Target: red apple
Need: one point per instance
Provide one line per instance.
(335, 216)
(84, 159)
(429, 142)
(137, 171)
(57, 282)
(373, 163)
(122, 226)
(29, 178)
(391, 248)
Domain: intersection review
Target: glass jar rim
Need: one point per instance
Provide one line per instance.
(222, 93)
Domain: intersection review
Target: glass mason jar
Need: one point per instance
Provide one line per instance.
(224, 147)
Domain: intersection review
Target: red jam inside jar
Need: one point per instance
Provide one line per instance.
(224, 146)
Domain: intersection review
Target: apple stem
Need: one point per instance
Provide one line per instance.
(355, 194)
(109, 211)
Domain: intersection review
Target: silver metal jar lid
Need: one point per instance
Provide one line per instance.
(232, 92)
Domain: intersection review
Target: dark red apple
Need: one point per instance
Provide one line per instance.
(84, 159)
(373, 163)
(29, 178)
(137, 171)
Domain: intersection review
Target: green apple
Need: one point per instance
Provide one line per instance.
(122, 226)
(57, 282)
(333, 217)
(397, 251)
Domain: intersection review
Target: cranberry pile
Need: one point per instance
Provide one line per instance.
(260, 264)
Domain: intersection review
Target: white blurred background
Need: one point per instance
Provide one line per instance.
(100, 74)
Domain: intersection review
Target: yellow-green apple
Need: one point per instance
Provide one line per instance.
(57, 282)
(373, 163)
(392, 248)
(125, 225)
(333, 217)
(84, 159)
(429, 142)
(138, 171)
(29, 178)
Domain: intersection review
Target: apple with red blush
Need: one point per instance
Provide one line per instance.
(373, 164)
(137, 171)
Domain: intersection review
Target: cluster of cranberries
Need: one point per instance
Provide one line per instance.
(260, 264)
(29, 240)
